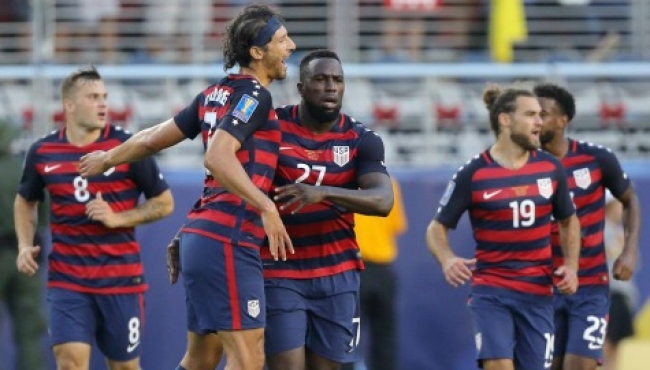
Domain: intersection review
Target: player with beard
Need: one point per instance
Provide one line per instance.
(581, 319)
(223, 234)
(330, 167)
(511, 192)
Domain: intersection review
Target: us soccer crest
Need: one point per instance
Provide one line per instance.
(341, 155)
(582, 177)
(254, 308)
(545, 187)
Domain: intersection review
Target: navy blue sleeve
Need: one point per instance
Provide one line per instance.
(249, 110)
(188, 120)
(32, 186)
(147, 176)
(563, 206)
(613, 176)
(456, 199)
(370, 154)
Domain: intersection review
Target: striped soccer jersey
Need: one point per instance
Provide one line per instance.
(322, 233)
(86, 256)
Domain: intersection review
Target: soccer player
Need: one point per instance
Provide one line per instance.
(511, 192)
(96, 280)
(330, 167)
(222, 236)
(581, 319)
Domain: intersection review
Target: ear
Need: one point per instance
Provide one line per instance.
(504, 119)
(256, 52)
(68, 104)
(564, 122)
(299, 86)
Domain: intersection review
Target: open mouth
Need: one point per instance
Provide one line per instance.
(330, 103)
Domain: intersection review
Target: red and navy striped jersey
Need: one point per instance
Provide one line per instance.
(590, 170)
(510, 213)
(87, 256)
(239, 105)
(322, 233)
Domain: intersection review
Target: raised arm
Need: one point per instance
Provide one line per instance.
(141, 145)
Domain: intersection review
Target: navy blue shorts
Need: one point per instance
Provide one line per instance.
(581, 324)
(224, 286)
(319, 314)
(510, 328)
(115, 321)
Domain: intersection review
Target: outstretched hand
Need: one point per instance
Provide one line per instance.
(93, 164)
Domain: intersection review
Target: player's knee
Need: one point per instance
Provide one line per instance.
(124, 365)
(67, 359)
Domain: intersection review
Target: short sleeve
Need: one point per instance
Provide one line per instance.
(562, 203)
(249, 110)
(147, 176)
(456, 199)
(188, 120)
(370, 154)
(613, 176)
(32, 186)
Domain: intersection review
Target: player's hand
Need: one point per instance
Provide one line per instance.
(279, 241)
(173, 260)
(26, 262)
(624, 266)
(458, 270)
(298, 196)
(93, 164)
(569, 283)
(99, 210)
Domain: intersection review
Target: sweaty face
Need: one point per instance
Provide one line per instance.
(323, 88)
(526, 123)
(551, 116)
(277, 52)
(87, 104)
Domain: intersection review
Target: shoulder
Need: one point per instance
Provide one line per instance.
(49, 138)
(467, 170)
(119, 133)
(545, 156)
(593, 149)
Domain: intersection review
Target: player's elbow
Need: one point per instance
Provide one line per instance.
(384, 206)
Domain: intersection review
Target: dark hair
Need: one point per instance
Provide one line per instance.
(315, 54)
(89, 73)
(502, 100)
(241, 33)
(561, 96)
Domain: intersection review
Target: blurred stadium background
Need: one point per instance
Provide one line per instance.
(415, 70)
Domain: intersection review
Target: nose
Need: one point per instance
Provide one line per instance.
(292, 45)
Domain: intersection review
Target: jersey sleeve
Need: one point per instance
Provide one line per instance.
(562, 203)
(370, 154)
(32, 186)
(456, 199)
(613, 176)
(188, 120)
(147, 176)
(248, 111)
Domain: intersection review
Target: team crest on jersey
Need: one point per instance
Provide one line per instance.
(245, 108)
(582, 177)
(254, 308)
(341, 155)
(545, 187)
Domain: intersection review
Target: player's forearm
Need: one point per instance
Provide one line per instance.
(373, 202)
(152, 209)
(145, 143)
(25, 221)
(226, 169)
(438, 242)
(631, 224)
(570, 240)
